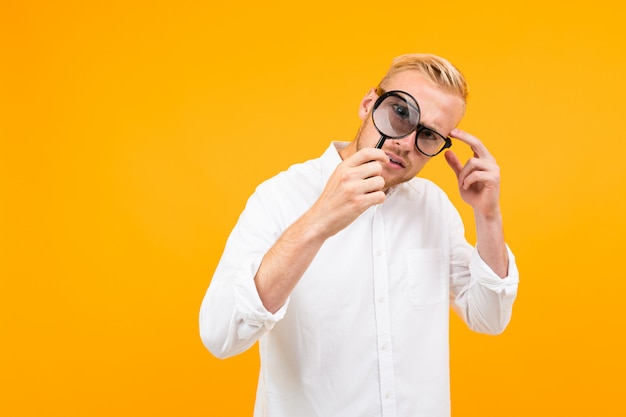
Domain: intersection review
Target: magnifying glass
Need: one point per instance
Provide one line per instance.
(395, 115)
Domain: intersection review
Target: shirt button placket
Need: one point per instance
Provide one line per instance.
(383, 320)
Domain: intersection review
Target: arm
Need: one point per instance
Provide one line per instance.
(484, 281)
(479, 185)
(482, 299)
(355, 185)
(260, 267)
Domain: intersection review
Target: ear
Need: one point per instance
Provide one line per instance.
(367, 103)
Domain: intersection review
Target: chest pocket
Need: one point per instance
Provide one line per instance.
(428, 280)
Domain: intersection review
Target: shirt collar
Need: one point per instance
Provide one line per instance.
(331, 158)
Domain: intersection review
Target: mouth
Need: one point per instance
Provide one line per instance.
(395, 161)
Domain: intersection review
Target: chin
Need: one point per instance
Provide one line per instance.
(397, 176)
(392, 182)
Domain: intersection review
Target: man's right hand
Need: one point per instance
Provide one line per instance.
(355, 185)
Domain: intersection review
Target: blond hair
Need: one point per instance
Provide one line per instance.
(434, 68)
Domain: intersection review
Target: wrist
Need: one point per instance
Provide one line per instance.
(489, 216)
(312, 228)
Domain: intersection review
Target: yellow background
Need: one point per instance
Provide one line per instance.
(132, 133)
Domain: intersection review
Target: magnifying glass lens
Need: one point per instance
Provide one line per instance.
(396, 114)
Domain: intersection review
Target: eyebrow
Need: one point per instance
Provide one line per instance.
(379, 90)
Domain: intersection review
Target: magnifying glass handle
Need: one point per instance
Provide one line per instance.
(381, 141)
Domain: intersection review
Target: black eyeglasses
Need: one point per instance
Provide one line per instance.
(393, 108)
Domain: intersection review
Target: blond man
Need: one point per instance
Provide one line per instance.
(345, 268)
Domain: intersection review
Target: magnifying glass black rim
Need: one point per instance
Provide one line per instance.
(396, 93)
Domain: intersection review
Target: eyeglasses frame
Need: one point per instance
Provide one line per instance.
(419, 128)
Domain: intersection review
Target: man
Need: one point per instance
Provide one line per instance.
(345, 267)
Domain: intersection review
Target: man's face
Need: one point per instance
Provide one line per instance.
(440, 111)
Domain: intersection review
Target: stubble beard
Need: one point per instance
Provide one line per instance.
(391, 178)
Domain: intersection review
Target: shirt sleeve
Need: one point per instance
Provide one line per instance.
(232, 316)
(482, 299)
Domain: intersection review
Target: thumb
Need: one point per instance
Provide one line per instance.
(454, 162)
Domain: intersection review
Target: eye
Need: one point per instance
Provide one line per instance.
(401, 111)
(428, 135)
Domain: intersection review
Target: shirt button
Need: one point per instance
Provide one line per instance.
(387, 395)
(379, 252)
(381, 299)
(384, 346)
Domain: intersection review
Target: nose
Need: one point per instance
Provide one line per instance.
(406, 142)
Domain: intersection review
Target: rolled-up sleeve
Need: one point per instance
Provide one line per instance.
(489, 302)
(232, 315)
(252, 317)
(233, 318)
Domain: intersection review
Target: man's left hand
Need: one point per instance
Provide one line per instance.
(479, 179)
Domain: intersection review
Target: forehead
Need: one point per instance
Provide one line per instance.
(440, 109)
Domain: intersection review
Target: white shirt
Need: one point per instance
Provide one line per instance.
(365, 331)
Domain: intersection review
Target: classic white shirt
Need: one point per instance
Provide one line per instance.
(365, 331)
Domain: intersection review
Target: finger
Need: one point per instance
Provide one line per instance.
(454, 162)
(368, 169)
(482, 169)
(484, 178)
(478, 164)
(366, 155)
(373, 184)
(374, 197)
(479, 149)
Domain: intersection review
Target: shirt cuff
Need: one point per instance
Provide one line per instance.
(251, 313)
(485, 275)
